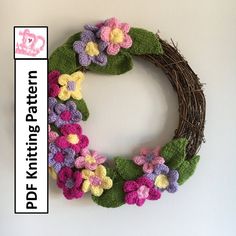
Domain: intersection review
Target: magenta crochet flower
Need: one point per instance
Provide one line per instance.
(53, 86)
(115, 34)
(70, 182)
(89, 160)
(137, 191)
(72, 138)
(149, 159)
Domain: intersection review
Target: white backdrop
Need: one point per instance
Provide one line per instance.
(133, 109)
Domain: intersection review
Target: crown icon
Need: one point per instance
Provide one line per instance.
(31, 44)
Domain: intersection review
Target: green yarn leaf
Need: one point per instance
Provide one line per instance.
(116, 65)
(72, 39)
(113, 197)
(144, 42)
(63, 59)
(82, 107)
(112, 173)
(174, 152)
(187, 169)
(127, 169)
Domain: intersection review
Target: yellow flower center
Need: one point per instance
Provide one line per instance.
(116, 36)
(161, 181)
(72, 138)
(90, 159)
(92, 49)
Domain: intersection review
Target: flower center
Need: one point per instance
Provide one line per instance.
(116, 36)
(143, 192)
(69, 183)
(71, 85)
(161, 181)
(149, 157)
(92, 49)
(72, 138)
(65, 115)
(90, 159)
(59, 157)
(95, 181)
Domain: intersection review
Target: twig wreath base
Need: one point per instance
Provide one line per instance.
(107, 48)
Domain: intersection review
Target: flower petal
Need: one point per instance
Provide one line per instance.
(101, 171)
(106, 183)
(78, 46)
(125, 27)
(79, 162)
(130, 186)
(64, 94)
(63, 79)
(131, 198)
(144, 181)
(59, 108)
(148, 168)
(140, 201)
(84, 59)
(154, 194)
(62, 142)
(127, 42)
(96, 190)
(139, 160)
(105, 33)
(172, 188)
(86, 186)
(76, 94)
(161, 169)
(87, 36)
(86, 174)
(101, 59)
(112, 22)
(173, 175)
(113, 49)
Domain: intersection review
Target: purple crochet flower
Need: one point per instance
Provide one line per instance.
(164, 178)
(90, 48)
(61, 114)
(59, 158)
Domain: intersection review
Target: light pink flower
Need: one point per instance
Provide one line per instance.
(52, 135)
(115, 34)
(89, 160)
(149, 159)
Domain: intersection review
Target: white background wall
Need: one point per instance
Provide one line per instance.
(137, 108)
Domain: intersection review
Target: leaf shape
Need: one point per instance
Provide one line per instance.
(127, 169)
(116, 65)
(187, 169)
(82, 107)
(112, 173)
(174, 152)
(144, 42)
(63, 59)
(113, 197)
(72, 39)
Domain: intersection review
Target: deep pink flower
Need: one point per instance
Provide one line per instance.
(149, 159)
(70, 182)
(54, 88)
(115, 34)
(89, 160)
(137, 191)
(72, 138)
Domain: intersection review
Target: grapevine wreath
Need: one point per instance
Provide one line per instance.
(108, 47)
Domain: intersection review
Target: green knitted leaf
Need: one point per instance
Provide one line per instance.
(63, 59)
(127, 169)
(174, 152)
(187, 169)
(112, 173)
(144, 42)
(72, 39)
(113, 197)
(116, 65)
(82, 107)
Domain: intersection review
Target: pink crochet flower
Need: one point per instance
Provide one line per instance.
(72, 138)
(89, 160)
(115, 34)
(149, 159)
(70, 182)
(137, 191)
(54, 88)
(52, 135)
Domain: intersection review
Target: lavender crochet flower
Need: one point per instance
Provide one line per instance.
(61, 114)
(164, 178)
(90, 48)
(59, 158)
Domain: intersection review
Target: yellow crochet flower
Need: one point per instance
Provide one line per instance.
(96, 181)
(71, 86)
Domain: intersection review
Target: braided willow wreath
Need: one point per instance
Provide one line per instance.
(108, 48)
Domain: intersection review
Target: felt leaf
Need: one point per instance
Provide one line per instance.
(174, 152)
(127, 169)
(63, 59)
(113, 197)
(116, 65)
(75, 37)
(187, 169)
(144, 42)
(82, 107)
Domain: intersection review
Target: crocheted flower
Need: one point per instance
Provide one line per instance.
(96, 181)
(149, 159)
(52, 135)
(71, 86)
(164, 178)
(61, 114)
(70, 182)
(89, 160)
(53, 86)
(137, 191)
(59, 158)
(72, 138)
(115, 34)
(90, 49)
